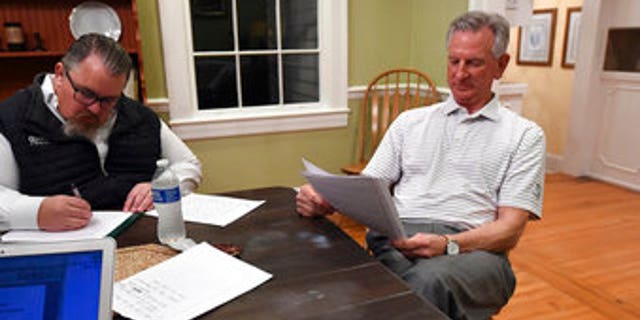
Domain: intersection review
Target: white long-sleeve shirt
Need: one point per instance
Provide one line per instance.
(20, 211)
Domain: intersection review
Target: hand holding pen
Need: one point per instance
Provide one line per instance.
(75, 191)
(63, 212)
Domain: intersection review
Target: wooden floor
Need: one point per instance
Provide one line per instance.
(581, 261)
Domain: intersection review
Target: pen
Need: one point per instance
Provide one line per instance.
(75, 191)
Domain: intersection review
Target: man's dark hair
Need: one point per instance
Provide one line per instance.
(476, 20)
(114, 57)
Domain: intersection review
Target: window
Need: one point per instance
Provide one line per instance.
(254, 66)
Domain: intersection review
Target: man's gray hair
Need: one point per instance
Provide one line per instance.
(476, 20)
(114, 57)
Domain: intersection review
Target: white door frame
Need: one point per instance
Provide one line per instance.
(593, 88)
(586, 99)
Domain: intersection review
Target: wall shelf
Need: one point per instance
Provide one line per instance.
(51, 20)
(29, 54)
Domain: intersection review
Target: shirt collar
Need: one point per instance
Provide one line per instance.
(489, 111)
(50, 97)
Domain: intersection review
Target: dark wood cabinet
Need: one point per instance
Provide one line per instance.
(51, 20)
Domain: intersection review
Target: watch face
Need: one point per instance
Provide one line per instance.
(452, 247)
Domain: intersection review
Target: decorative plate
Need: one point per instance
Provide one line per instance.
(94, 17)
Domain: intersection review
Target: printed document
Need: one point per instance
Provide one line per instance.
(100, 225)
(365, 199)
(214, 210)
(186, 285)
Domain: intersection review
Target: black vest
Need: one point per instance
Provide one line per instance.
(50, 161)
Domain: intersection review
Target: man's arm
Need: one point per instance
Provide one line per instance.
(20, 211)
(384, 164)
(184, 164)
(500, 235)
(182, 161)
(520, 197)
(16, 210)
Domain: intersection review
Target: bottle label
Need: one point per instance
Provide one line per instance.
(166, 195)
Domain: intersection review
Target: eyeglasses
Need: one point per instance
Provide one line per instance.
(87, 97)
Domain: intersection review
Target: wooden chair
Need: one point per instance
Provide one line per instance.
(387, 95)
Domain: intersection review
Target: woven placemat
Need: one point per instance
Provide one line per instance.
(131, 260)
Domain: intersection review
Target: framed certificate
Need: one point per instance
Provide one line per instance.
(535, 39)
(570, 47)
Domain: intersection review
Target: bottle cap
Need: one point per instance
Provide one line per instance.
(162, 163)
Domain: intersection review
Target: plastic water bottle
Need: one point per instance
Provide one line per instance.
(166, 198)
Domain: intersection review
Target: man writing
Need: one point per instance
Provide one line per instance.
(467, 175)
(74, 130)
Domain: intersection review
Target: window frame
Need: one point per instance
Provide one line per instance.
(188, 122)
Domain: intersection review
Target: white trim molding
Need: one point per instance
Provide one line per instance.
(553, 163)
(511, 94)
(357, 92)
(158, 104)
(616, 181)
(296, 119)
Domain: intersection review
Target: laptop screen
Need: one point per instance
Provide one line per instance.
(62, 285)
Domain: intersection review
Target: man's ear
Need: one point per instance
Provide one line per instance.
(58, 70)
(503, 61)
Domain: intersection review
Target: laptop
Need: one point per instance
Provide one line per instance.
(58, 280)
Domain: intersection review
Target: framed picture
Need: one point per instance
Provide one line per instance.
(535, 39)
(570, 47)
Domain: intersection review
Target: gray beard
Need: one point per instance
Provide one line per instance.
(73, 128)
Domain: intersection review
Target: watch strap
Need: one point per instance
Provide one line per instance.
(452, 247)
(446, 243)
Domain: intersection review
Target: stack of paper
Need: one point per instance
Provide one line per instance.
(186, 285)
(215, 210)
(102, 223)
(365, 199)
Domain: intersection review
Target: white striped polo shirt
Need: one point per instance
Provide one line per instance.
(452, 167)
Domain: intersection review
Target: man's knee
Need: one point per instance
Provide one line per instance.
(431, 277)
(436, 285)
(474, 286)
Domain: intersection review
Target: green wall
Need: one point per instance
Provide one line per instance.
(379, 36)
(151, 48)
(429, 24)
(382, 34)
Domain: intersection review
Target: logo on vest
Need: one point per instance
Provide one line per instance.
(37, 141)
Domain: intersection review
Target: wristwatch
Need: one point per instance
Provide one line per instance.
(452, 246)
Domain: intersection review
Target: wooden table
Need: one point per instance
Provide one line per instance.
(318, 271)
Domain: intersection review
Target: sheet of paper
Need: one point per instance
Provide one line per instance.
(365, 199)
(215, 210)
(313, 169)
(101, 224)
(186, 285)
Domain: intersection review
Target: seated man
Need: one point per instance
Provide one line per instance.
(76, 128)
(467, 174)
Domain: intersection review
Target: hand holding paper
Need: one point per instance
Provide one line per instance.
(365, 199)
(310, 204)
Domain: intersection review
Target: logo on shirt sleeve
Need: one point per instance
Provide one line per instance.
(537, 190)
